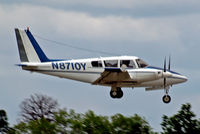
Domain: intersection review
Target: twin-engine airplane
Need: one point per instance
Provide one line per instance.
(116, 72)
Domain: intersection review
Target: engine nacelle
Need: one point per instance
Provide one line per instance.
(149, 75)
(142, 76)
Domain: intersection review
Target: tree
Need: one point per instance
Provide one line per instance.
(3, 122)
(94, 124)
(183, 122)
(38, 107)
(75, 122)
(40, 126)
(40, 115)
(62, 121)
(130, 125)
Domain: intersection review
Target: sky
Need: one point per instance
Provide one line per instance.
(149, 29)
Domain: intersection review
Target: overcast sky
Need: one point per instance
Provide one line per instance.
(150, 29)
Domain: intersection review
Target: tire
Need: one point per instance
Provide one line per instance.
(120, 94)
(117, 93)
(166, 99)
(113, 94)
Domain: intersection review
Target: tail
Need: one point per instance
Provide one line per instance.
(29, 49)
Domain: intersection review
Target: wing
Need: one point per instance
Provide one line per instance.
(112, 75)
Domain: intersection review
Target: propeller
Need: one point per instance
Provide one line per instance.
(165, 71)
(169, 64)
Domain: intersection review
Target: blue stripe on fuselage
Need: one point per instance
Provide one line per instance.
(151, 67)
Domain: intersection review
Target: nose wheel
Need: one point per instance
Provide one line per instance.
(116, 92)
(166, 98)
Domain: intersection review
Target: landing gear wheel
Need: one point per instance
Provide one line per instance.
(166, 98)
(119, 93)
(116, 93)
(113, 94)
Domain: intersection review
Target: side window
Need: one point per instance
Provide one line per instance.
(96, 64)
(127, 63)
(110, 63)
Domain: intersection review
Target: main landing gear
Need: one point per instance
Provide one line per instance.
(166, 98)
(116, 92)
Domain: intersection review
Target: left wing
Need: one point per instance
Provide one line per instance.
(112, 75)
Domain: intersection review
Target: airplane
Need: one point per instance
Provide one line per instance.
(115, 72)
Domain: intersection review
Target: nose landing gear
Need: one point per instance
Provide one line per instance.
(166, 98)
(116, 92)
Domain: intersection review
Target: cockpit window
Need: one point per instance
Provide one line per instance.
(96, 64)
(127, 63)
(110, 63)
(141, 63)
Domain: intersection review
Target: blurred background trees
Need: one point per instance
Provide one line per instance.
(183, 122)
(41, 114)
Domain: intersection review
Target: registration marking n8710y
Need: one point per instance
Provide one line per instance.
(68, 66)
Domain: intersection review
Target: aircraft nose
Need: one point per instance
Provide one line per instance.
(181, 78)
(184, 78)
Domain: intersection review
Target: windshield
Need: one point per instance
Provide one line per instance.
(141, 63)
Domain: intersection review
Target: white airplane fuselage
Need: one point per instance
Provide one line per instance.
(82, 70)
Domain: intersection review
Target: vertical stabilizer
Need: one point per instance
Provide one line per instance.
(29, 49)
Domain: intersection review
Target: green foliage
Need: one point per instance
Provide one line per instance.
(41, 126)
(74, 123)
(93, 124)
(130, 125)
(61, 121)
(64, 121)
(39, 114)
(21, 127)
(182, 123)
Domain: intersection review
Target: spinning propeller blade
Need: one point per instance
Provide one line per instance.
(165, 71)
(169, 63)
(165, 65)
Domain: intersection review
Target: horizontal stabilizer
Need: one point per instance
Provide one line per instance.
(28, 66)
